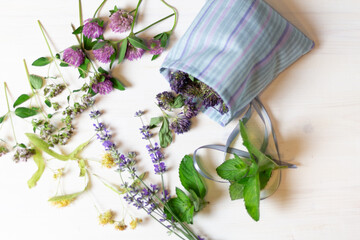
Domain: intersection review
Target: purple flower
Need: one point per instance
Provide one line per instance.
(92, 29)
(180, 125)
(74, 57)
(139, 113)
(103, 54)
(145, 130)
(159, 168)
(165, 99)
(179, 82)
(155, 153)
(200, 238)
(190, 108)
(120, 21)
(108, 144)
(155, 47)
(103, 88)
(95, 114)
(133, 53)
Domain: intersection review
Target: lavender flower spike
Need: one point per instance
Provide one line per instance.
(92, 29)
(103, 54)
(74, 56)
(120, 21)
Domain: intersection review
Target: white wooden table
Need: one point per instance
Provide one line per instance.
(315, 105)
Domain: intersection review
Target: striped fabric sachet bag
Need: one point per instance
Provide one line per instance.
(237, 47)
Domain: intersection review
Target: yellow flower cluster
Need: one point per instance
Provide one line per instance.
(135, 222)
(120, 225)
(106, 217)
(61, 203)
(108, 161)
(58, 173)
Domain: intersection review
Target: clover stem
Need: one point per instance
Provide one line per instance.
(102, 4)
(155, 23)
(176, 15)
(135, 15)
(81, 21)
(8, 107)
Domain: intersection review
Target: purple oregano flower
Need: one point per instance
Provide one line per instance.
(74, 57)
(103, 54)
(92, 29)
(120, 21)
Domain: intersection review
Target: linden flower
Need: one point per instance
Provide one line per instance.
(135, 222)
(120, 225)
(106, 217)
(108, 161)
(62, 203)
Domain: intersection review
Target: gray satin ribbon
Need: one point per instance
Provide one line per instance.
(265, 118)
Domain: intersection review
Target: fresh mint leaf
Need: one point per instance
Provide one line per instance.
(117, 84)
(165, 135)
(36, 81)
(21, 99)
(155, 121)
(265, 177)
(178, 102)
(123, 48)
(48, 103)
(138, 42)
(233, 169)
(252, 197)
(236, 190)
(25, 112)
(181, 207)
(190, 178)
(39, 160)
(43, 61)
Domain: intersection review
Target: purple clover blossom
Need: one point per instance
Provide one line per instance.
(74, 57)
(133, 53)
(180, 125)
(103, 54)
(103, 88)
(120, 21)
(155, 47)
(179, 82)
(92, 29)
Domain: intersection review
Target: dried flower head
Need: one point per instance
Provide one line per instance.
(106, 217)
(23, 154)
(74, 56)
(133, 53)
(134, 223)
(180, 124)
(120, 21)
(3, 150)
(165, 99)
(108, 161)
(120, 225)
(92, 29)
(62, 203)
(103, 54)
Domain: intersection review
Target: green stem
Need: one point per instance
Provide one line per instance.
(176, 15)
(53, 57)
(8, 106)
(99, 8)
(33, 91)
(142, 30)
(135, 15)
(81, 21)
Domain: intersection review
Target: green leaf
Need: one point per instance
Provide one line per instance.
(22, 145)
(264, 177)
(62, 64)
(252, 197)
(78, 30)
(23, 98)
(48, 103)
(138, 42)
(236, 190)
(82, 166)
(181, 207)
(103, 71)
(137, 181)
(159, 36)
(190, 178)
(44, 146)
(99, 45)
(88, 44)
(155, 121)
(165, 135)
(68, 196)
(263, 161)
(74, 154)
(191, 78)
(2, 118)
(117, 84)
(49, 115)
(233, 169)
(43, 61)
(25, 112)
(178, 102)
(39, 160)
(84, 68)
(36, 81)
(154, 57)
(123, 48)
(164, 40)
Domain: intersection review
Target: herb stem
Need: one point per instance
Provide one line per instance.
(81, 21)
(142, 30)
(33, 91)
(53, 57)
(102, 4)
(8, 107)
(135, 15)
(176, 15)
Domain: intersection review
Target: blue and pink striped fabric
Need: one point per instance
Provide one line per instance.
(237, 47)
